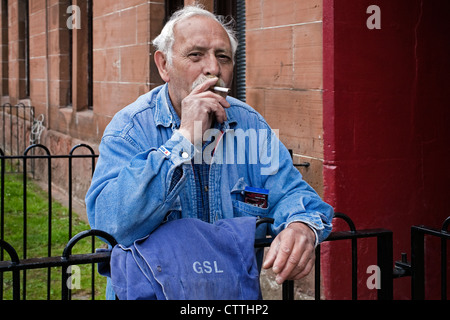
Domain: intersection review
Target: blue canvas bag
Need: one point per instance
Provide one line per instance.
(188, 259)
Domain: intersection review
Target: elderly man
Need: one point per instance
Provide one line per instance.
(175, 153)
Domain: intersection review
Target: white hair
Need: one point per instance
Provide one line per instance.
(164, 41)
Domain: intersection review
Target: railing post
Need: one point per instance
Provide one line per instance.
(92, 153)
(444, 269)
(354, 241)
(385, 263)
(70, 157)
(65, 292)
(417, 264)
(2, 213)
(15, 272)
(50, 199)
(444, 229)
(317, 273)
(288, 290)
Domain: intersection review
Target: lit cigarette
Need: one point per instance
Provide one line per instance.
(221, 89)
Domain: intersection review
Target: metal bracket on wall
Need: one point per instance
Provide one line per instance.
(303, 164)
(402, 268)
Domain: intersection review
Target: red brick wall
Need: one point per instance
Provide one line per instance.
(124, 68)
(16, 57)
(284, 71)
(4, 50)
(38, 52)
(284, 75)
(284, 83)
(49, 61)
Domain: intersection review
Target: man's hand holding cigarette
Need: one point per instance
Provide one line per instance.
(204, 104)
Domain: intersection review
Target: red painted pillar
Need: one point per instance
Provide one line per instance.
(386, 128)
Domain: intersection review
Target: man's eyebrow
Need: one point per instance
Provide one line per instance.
(197, 48)
(223, 51)
(203, 49)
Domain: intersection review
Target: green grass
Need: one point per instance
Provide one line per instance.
(37, 239)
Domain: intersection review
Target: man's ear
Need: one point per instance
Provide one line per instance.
(161, 64)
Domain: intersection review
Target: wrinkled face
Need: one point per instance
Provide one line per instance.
(201, 49)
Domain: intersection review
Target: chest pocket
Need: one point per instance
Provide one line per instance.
(242, 209)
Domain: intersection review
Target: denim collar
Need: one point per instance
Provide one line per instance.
(166, 115)
(164, 112)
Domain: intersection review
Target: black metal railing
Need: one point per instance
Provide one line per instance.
(417, 266)
(31, 153)
(18, 266)
(384, 259)
(15, 265)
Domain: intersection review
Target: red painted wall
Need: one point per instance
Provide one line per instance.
(386, 129)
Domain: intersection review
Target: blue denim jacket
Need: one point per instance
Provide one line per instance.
(131, 192)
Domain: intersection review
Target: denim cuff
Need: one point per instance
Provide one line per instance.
(178, 149)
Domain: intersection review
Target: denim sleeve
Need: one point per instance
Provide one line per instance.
(296, 201)
(131, 191)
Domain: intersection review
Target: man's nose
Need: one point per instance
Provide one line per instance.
(211, 66)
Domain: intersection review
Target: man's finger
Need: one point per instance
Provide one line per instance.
(221, 100)
(271, 254)
(290, 264)
(303, 270)
(219, 112)
(284, 251)
(204, 86)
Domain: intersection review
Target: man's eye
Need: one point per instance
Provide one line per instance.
(195, 55)
(224, 58)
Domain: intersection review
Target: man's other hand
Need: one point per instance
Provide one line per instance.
(291, 254)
